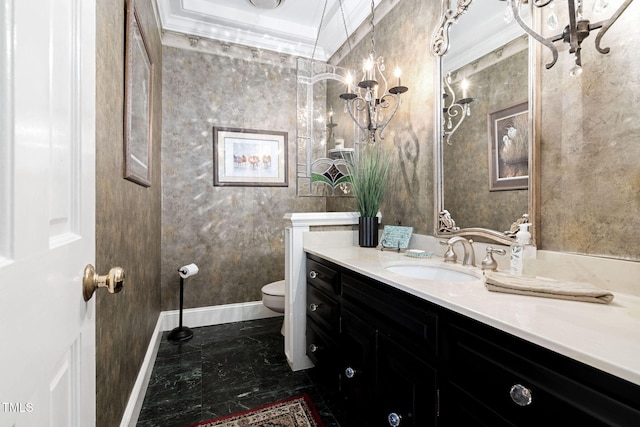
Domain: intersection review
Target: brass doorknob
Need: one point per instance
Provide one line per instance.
(114, 281)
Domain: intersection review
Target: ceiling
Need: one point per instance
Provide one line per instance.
(479, 31)
(291, 28)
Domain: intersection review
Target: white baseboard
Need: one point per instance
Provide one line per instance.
(136, 398)
(193, 318)
(216, 315)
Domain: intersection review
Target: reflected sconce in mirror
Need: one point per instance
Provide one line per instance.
(367, 101)
(455, 111)
(330, 126)
(574, 33)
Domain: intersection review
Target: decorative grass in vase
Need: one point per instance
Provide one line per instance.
(369, 175)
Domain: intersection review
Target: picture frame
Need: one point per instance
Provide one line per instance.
(249, 158)
(138, 93)
(509, 148)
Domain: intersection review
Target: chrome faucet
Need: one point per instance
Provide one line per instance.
(469, 254)
(489, 263)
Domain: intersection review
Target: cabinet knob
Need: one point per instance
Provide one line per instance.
(521, 395)
(349, 372)
(313, 274)
(314, 307)
(313, 348)
(394, 419)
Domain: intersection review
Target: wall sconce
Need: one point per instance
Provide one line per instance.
(330, 126)
(574, 33)
(455, 111)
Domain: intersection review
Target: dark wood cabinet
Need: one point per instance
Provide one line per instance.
(500, 379)
(323, 319)
(396, 359)
(376, 344)
(406, 389)
(357, 374)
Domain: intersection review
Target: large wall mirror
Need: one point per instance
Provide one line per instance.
(484, 148)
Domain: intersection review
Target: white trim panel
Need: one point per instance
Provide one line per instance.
(216, 315)
(7, 46)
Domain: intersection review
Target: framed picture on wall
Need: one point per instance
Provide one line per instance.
(509, 148)
(249, 158)
(138, 94)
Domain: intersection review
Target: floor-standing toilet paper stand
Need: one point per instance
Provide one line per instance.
(180, 333)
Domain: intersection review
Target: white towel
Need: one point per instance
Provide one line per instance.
(548, 288)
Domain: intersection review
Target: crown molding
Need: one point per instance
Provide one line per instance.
(234, 25)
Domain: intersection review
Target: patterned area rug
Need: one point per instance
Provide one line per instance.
(293, 412)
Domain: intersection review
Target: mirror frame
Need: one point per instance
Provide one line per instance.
(439, 47)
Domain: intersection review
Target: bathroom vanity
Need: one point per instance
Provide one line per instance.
(406, 352)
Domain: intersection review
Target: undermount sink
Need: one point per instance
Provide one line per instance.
(431, 273)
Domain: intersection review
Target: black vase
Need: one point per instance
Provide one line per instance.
(368, 231)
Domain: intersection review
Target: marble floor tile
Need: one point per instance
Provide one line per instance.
(222, 370)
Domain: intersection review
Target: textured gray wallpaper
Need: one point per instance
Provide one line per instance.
(590, 136)
(127, 218)
(234, 234)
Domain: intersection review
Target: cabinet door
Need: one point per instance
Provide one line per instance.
(322, 350)
(357, 377)
(495, 380)
(406, 390)
(323, 276)
(323, 310)
(461, 409)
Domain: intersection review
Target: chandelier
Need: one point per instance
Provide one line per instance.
(368, 101)
(573, 33)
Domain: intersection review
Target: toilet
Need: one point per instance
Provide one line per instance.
(273, 297)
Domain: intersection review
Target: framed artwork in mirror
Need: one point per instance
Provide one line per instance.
(138, 95)
(249, 158)
(509, 148)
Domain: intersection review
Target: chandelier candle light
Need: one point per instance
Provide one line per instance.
(366, 102)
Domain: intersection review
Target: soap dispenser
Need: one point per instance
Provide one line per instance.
(523, 253)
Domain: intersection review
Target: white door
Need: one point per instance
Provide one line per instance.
(47, 212)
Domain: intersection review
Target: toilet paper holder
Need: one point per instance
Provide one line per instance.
(188, 270)
(183, 333)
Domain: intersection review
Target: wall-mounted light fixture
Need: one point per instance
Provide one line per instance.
(455, 112)
(575, 32)
(367, 101)
(330, 126)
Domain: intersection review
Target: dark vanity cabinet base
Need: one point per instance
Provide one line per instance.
(402, 347)
(323, 319)
(396, 360)
(496, 379)
(406, 387)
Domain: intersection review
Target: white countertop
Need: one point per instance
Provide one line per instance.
(605, 336)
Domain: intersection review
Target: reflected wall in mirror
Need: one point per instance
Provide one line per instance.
(325, 131)
(482, 194)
